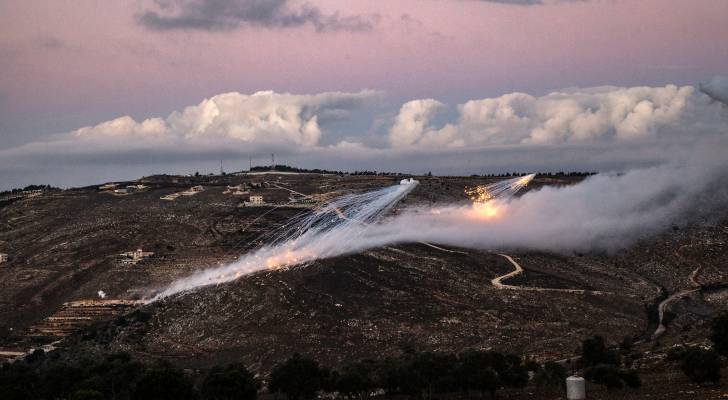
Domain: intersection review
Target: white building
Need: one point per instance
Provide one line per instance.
(3, 258)
(256, 200)
(193, 190)
(133, 257)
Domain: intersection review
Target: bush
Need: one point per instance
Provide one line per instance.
(594, 351)
(232, 382)
(719, 333)
(298, 378)
(701, 365)
(357, 380)
(631, 378)
(163, 382)
(487, 371)
(552, 375)
(612, 377)
(603, 374)
(17, 382)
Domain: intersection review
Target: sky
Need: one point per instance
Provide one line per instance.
(94, 91)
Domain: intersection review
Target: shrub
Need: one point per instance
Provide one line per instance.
(719, 333)
(298, 378)
(232, 382)
(357, 380)
(594, 351)
(701, 365)
(164, 382)
(552, 375)
(612, 377)
(631, 378)
(603, 374)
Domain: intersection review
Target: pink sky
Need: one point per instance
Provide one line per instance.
(72, 63)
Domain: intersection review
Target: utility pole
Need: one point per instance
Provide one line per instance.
(221, 170)
(251, 164)
(272, 161)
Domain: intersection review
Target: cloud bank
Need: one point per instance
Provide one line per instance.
(603, 128)
(221, 15)
(571, 116)
(263, 119)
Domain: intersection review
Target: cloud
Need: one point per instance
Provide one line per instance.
(597, 129)
(717, 89)
(604, 114)
(412, 121)
(263, 118)
(221, 15)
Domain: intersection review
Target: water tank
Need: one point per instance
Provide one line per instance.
(575, 388)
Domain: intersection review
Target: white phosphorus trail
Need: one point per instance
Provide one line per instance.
(328, 231)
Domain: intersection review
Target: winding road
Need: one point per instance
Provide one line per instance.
(497, 282)
(696, 287)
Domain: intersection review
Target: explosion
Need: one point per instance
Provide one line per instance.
(488, 200)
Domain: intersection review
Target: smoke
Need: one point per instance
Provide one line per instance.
(327, 232)
(605, 212)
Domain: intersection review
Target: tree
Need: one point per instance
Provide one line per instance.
(476, 371)
(612, 376)
(17, 382)
(631, 378)
(552, 375)
(431, 372)
(356, 380)
(603, 374)
(594, 351)
(485, 380)
(232, 382)
(115, 375)
(719, 333)
(298, 378)
(701, 365)
(163, 382)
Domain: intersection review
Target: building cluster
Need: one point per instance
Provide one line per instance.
(255, 201)
(236, 190)
(189, 192)
(134, 257)
(128, 189)
(21, 195)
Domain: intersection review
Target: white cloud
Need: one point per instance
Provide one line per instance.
(412, 121)
(603, 128)
(573, 116)
(261, 118)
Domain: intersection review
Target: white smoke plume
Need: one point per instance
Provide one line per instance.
(324, 233)
(605, 212)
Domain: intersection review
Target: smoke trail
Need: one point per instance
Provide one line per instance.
(327, 232)
(604, 212)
